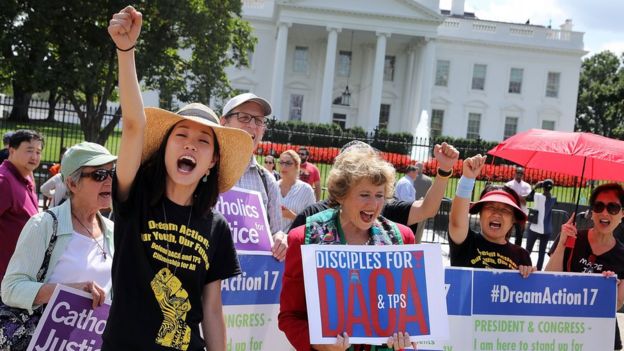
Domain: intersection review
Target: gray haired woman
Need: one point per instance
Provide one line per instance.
(83, 253)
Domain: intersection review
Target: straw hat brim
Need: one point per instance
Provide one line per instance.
(235, 145)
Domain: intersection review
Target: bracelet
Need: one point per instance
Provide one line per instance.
(464, 187)
(444, 174)
(125, 50)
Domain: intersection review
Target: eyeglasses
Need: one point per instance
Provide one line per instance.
(99, 175)
(500, 209)
(612, 207)
(243, 117)
(286, 163)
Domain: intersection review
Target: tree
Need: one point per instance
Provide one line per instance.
(210, 35)
(600, 106)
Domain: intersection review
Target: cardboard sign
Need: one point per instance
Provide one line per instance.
(371, 292)
(70, 323)
(244, 211)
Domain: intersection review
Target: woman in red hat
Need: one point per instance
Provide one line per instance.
(498, 209)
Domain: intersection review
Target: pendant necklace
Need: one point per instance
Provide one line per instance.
(188, 222)
(102, 251)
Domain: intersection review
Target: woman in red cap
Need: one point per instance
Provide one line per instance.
(498, 209)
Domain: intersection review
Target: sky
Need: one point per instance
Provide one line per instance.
(600, 20)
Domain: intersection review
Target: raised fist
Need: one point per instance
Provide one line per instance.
(125, 27)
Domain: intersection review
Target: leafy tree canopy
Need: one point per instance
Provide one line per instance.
(183, 51)
(600, 106)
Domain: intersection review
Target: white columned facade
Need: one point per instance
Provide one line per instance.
(377, 81)
(407, 107)
(279, 65)
(328, 75)
(427, 70)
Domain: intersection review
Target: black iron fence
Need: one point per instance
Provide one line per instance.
(60, 126)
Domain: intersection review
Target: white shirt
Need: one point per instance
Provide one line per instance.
(55, 189)
(300, 196)
(522, 188)
(404, 189)
(83, 261)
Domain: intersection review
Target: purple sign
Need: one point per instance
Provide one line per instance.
(70, 323)
(245, 212)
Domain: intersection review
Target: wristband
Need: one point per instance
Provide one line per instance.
(125, 50)
(444, 174)
(464, 187)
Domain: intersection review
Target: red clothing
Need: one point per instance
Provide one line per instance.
(309, 173)
(293, 316)
(17, 204)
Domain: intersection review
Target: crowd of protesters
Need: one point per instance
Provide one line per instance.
(171, 170)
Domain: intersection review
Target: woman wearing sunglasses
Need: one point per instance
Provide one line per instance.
(269, 164)
(595, 250)
(296, 194)
(82, 253)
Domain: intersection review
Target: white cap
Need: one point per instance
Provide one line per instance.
(243, 98)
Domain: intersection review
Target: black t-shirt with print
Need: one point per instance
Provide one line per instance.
(477, 252)
(160, 269)
(584, 260)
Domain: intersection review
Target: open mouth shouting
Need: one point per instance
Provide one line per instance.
(186, 164)
(105, 194)
(495, 225)
(367, 216)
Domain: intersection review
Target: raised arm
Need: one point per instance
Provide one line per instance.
(446, 155)
(124, 28)
(458, 218)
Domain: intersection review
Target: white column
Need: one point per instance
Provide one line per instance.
(377, 83)
(279, 64)
(407, 97)
(427, 71)
(328, 75)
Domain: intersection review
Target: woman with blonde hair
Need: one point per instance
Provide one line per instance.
(296, 194)
(360, 182)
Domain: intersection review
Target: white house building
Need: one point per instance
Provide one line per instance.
(399, 58)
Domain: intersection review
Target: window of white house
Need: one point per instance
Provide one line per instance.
(442, 73)
(511, 127)
(344, 63)
(474, 126)
(296, 107)
(389, 68)
(478, 76)
(340, 119)
(300, 62)
(552, 84)
(515, 80)
(548, 125)
(384, 116)
(437, 120)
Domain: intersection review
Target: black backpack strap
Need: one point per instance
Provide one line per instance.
(266, 191)
(46, 259)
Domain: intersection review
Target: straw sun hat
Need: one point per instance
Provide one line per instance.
(235, 145)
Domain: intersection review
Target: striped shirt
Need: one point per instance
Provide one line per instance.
(300, 196)
(251, 180)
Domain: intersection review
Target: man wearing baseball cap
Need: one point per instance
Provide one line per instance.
(250, 113)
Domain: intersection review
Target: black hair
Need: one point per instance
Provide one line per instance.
(206, 193)
(22, 135)
(605, 188)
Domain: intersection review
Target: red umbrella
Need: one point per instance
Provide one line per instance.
(585, 155)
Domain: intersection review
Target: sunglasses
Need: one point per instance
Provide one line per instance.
(268, 162)
(243, 117)
(99, 175)
(612, 207)
(286, 163)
